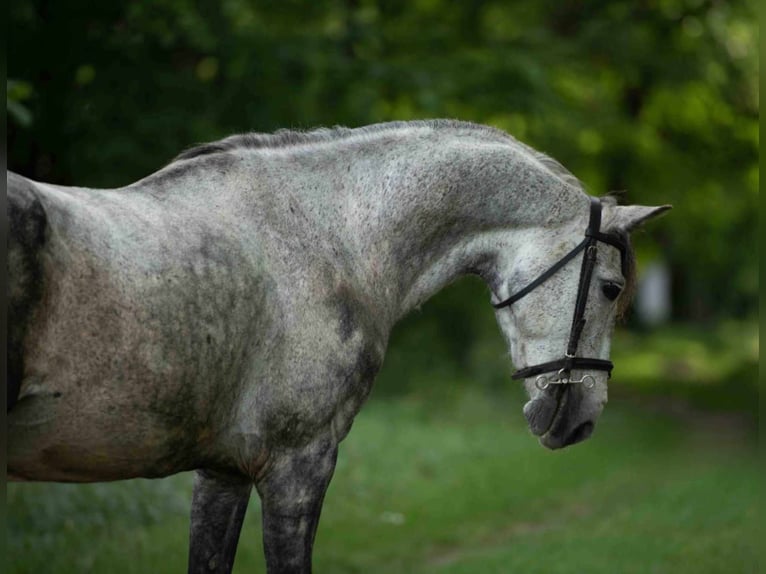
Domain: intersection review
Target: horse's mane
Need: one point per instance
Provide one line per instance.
(286, 138)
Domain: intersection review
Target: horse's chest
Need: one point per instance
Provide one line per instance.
(329, 364)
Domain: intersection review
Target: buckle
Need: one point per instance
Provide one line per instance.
(562, 378)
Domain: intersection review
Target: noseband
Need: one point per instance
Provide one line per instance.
(563, 367)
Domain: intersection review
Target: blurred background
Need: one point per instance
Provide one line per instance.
(656, 98)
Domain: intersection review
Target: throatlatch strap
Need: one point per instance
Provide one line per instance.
(544, 277)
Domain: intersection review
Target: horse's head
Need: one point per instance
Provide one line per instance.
(558, 292)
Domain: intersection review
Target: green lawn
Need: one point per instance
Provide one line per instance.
(453, 482)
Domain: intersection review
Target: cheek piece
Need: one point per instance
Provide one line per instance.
(564, 366)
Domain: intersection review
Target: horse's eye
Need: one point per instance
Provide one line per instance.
(611, 290)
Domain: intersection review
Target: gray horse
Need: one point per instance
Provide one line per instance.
(228, 313)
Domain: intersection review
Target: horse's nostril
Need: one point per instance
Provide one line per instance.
(580, 433)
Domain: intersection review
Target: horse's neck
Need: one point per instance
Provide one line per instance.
(410, 214)
(420, 224)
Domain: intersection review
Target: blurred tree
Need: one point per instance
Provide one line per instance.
(656, 97)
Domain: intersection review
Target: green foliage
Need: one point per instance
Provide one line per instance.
(15, 93)
(659, 98)
(713, 367)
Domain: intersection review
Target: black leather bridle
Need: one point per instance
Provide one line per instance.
(564, 366)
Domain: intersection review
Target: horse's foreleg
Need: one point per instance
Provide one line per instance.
(292, 492)
(218, 508)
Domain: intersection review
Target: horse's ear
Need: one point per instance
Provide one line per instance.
(629, 217)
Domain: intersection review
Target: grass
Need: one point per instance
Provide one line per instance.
(451, 482)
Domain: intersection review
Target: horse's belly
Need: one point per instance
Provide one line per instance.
(51, 439)
(123, 407)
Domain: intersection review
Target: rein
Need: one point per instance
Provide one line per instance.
(564, 366)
